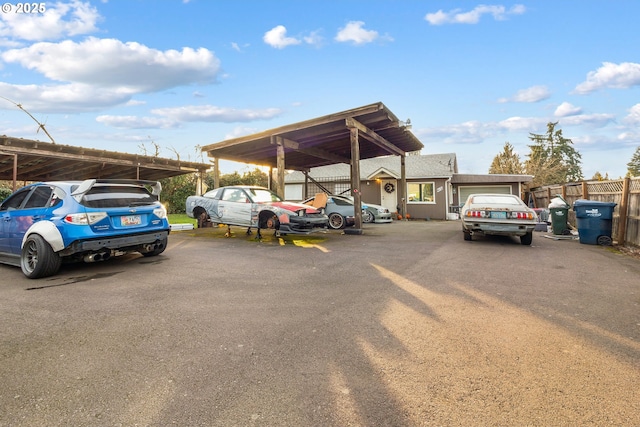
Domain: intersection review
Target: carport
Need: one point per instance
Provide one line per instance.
(29, 160)
(344, 137)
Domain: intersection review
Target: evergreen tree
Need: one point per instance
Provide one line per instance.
(552, 159)
(507, 162)
(633, 167)
(598, 176)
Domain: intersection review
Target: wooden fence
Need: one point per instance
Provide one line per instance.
(624, 192)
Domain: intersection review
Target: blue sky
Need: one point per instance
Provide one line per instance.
(128, 75)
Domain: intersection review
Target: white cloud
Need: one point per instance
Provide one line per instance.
(533, 124)
(58, 21)
(471, 132)
(520, 124)
(173, 117)
(65, 98)
(109, 63)
(531, 94)
(134, 122)
(355, 33)
(633, 118)
(610, 75)
(590, 120)
(277, 37)
(456, 16)
(566, 109)
(241, 131)
(211, 113)
(631, 137)
(314, 38)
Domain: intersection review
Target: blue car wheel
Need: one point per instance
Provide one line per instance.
(38, 259)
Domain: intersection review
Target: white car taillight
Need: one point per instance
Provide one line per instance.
(85, 218)
(476, 214)
(521, 215)
(160, 212)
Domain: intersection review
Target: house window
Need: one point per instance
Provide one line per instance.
(421, 192)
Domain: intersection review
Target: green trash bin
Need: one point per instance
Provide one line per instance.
(559, 217)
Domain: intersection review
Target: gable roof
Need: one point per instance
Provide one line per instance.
(465, 178)
(418, 166)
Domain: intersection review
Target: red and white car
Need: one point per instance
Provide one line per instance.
(254, 207)
(498, 214)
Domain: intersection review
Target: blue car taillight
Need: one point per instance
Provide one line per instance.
(85, 218)
(160, 212)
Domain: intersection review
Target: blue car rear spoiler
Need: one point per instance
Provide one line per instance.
(88, 184)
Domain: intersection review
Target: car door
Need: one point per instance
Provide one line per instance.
(34, 209)
(234, 207)
(9, 212)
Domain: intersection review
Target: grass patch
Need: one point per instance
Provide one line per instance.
(181, 219)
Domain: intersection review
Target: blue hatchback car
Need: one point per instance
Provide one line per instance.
(44, 224)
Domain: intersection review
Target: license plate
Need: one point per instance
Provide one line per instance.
(499, 215)
(130, 220)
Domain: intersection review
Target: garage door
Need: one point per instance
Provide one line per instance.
(466, 190)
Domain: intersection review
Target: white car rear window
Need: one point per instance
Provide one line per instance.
(495, 200)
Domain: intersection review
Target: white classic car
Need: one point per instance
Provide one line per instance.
(254, 207)
(498, 214)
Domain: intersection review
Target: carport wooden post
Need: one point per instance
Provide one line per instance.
(200, 182)
(279, 165)
(305, 191)
(355, 180)
(403, 185)
(216, 172)
(15, 172)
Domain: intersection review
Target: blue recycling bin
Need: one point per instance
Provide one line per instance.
(594, 221)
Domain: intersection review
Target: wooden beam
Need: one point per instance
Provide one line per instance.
(312, 151)
(373, 137)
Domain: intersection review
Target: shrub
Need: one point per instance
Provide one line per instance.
(4, 193)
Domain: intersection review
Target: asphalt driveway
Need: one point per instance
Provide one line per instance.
(406, 325)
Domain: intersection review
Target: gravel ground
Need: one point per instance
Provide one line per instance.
(406, 325)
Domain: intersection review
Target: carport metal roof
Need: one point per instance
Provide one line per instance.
(29, 160)
(323, 141)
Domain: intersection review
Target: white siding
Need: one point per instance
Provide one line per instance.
(293, 191)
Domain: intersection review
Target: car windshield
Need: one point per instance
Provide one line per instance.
(117, 196)
(494, 200)
(343, 201)
(262, 195)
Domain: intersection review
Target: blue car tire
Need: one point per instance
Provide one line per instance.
(38, 259)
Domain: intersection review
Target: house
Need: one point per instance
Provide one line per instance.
(434, 188)
(427, 178)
